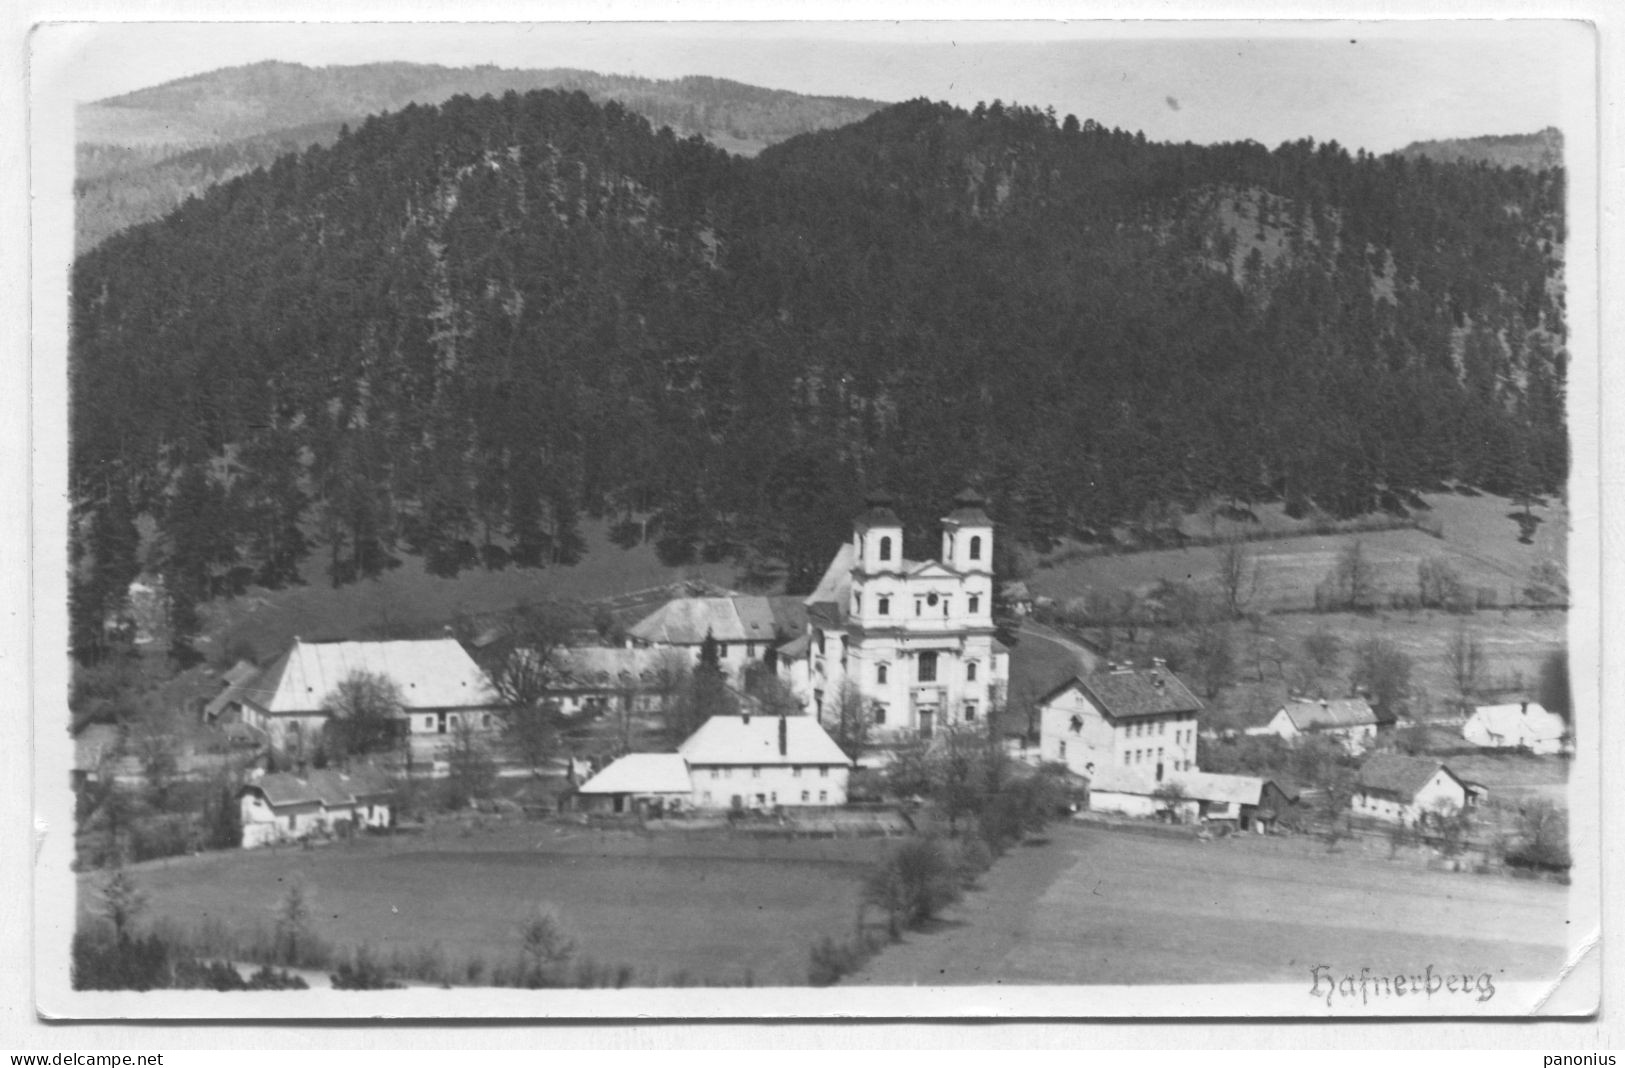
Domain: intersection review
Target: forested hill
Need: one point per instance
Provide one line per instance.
(461, 328)
(141, 154)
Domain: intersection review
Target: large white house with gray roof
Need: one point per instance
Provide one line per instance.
(440, 685)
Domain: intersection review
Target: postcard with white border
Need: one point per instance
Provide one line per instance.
(812, 519)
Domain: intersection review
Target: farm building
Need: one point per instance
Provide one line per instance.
(596, 678)
(286, 807)
(915, 637)
(1350, 720)
(1246, 801)
(1403, 789)
(743, 627)
(1128, 720)
(440, 686)
(639, 782)
(1524, 725)
(750, 761)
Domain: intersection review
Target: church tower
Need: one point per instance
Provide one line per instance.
(967, 535)
(877, 564)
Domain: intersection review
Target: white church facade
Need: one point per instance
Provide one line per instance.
(915, 638)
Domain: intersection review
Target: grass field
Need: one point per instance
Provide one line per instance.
(720, 909)
(1104, 907)
(1479, 540)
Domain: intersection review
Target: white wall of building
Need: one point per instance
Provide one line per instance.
(715, 786)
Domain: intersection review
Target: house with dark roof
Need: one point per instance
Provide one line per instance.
(1403, 789)
(283, 806)
(1245, 801)
(1350, 721)
(1141, 720)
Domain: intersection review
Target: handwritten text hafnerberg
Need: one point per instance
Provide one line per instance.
(1366, 986)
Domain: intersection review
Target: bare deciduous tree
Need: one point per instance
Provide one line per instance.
(1464, 656)
(1240, 575)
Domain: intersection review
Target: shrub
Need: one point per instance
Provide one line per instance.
(972, 859)
(362, 972)
(830, 960)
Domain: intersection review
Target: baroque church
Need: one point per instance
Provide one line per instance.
(915, 637)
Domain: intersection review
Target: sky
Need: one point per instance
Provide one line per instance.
(1372, 85)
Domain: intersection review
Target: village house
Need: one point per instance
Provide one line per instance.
(440, 686)
(915, 638)
(1244, 801)
(1524, 725)
(285, 807)
(1403, 789)
(747, 761)
(1351, 721)
(595, 679)
(743, 627)
(1121, 718)
(645, 783)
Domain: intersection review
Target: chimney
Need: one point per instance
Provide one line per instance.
(784, 735)
(1159, 663)
(1324, 703)
(1525, 708)
(744, 714)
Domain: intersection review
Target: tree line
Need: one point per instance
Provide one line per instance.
(461, 329)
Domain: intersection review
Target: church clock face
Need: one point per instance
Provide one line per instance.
(931, 599)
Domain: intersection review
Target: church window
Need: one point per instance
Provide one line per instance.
(857, 603)
(975, 604)
(970, 671)
(880, 715)
(919, 606)
(970, 711)
(885, 606)
(885, 548)
(945, 601)
(976, 547)
(928, 667)
(880, 674)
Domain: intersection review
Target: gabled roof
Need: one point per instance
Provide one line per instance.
(1531, 721)
(687, 620)
(755, 740)
(602, 667)
(437, 673)
(1398, 775)
(834, 590)
(795, 648)
(237, 681)
(1132, 694)
(1340, 712)
(330, 788)
(642, 773)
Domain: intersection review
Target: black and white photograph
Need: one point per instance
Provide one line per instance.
(918, 519)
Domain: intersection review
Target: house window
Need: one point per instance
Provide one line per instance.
(727, 773)
(928, 667)
(795, 771)
(1126, 756)
(857, 604)
(1063, 748)
(880, 715)
(716, 773)
(773, 797)
(485, 720)
(970, 711)
(755, 772)
(880, 674)
(290, 823)
(823, 773)
(975, 604)
(976, 547)
(806, 795)
(823, 795)
(970, 671)
(885, 606)
(885, 548)
(750, 650)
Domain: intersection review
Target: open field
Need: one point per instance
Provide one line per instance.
(1103, 907)
(718, 908)
(1479, 540)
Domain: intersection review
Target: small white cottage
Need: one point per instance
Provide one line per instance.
(286, 807)
(1525, 725)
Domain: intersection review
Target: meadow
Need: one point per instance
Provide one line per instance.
(675, 908)
(1096, 906)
